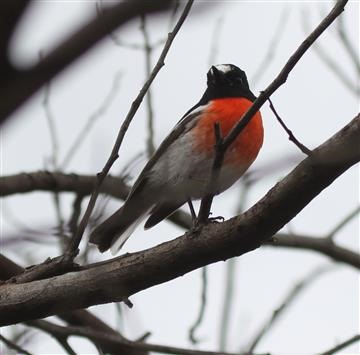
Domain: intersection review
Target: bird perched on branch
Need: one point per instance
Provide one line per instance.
(179, 170)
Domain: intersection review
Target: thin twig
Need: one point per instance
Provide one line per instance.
(285, 71)
(74, 243)
(343, 223)
(121, 43)
(292, 138)
(212, 183)
(51, 125)
(342, 345)
(201, 314)
(100, 111)
(230, 272)
(13, 346)
(54, 158)
(150, 114)
(73, 222)
(353, 54)
(331, 63)
(284, 305)
(272, 47)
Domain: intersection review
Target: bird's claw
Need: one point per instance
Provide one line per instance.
(216, 219)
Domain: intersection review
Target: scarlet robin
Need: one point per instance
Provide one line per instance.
(180, 168)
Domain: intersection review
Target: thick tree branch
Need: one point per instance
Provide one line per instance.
(80, 317)
(131, 273)
(9, 17)
(21, 84)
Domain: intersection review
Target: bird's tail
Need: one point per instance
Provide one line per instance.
(115, 231)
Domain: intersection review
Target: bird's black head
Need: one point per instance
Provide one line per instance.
(227, 80)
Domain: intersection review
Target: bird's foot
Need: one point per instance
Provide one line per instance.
(198, 224)
(216, 219)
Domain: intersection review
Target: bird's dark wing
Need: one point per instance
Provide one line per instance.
(162, 211)
(184, 125)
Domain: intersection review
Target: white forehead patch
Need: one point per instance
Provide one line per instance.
(223, 67)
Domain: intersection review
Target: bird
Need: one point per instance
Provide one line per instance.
(180, 168)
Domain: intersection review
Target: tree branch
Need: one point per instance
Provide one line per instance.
(322, 245)
(290, 297)
(131, 273)
(20, 85)
(343, 345)
(79, 317)
(79, 184)
(116, 344)
(12, 345)
(72, 249)
(221, 148)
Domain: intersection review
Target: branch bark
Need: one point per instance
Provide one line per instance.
(131, 273)
(78, 318)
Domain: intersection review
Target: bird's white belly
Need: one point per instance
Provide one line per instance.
(183, 173)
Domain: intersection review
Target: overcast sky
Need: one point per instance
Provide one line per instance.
(314, 104)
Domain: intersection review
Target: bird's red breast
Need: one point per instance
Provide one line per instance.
(228, 111)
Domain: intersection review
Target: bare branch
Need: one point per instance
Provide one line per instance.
(201, 314)
(220, 150)
(150, 114)
(344, 222)
(332, 64)
(227, 303)
(79, 184)
(133, 272)
(231, 278)
(212, 182)
(285, 71)
(50, 119)
(116, 344)
(292, 138)
(13, 346)
(352, 52)
(341, 346)
(17, 86)
(322, 245)
(75, 241)
(100, 111)
(288, 300)
(272, 47)
(79, 317)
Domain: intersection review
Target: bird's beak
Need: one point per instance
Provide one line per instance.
(214, 76)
